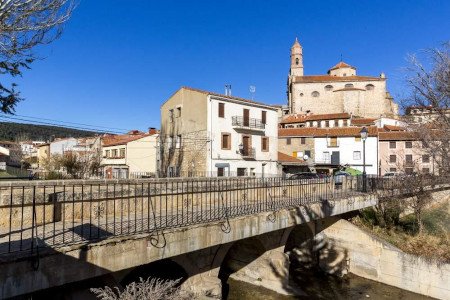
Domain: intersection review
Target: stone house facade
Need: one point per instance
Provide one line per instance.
(339, 91)
(209, 134)
(402, 152)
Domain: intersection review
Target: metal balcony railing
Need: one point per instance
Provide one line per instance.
(248, 153)
(250, 123)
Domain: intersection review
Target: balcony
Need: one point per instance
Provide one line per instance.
(248, 153)
(250, 123)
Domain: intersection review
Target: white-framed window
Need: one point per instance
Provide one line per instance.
(328, 87)
(178, 142)
(326, 156)
(356, 155)
(315, 94)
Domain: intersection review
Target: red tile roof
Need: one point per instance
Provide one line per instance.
(299, 118)
(328, 78)
(114, 140)
(363, 121)
(398, 136)
(285, 158)
(341, 65)
(323, 132)
(393, 128)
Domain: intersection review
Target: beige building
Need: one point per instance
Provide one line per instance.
(209, 134)
(339, 91)
(425, 114)
(43, 154)
(131, 155)
(401, 152)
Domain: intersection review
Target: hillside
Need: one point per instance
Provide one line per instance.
(13, 131)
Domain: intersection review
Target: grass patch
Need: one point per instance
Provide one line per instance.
(433, 243)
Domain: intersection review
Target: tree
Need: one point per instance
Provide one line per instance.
(428, 77)
(25, 24)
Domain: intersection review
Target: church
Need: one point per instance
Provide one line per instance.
(341, 90)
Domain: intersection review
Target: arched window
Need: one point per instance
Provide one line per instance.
(345, 74)
(349, 85)
(328, 87)
(301, 94)
(370, 87)
(296, 61)
(315, 94)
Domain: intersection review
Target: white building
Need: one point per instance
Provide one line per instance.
(59, 146)
(344, 147)
(208, 133)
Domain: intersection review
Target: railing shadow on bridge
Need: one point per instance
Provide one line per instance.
(38, 214)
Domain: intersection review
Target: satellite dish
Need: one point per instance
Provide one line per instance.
(305, 157)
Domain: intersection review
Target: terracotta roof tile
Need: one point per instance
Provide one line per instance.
(323, 132)
(341, 64)
(328, 78)
(285, 158)
(398, 136)
(114, 140)
(394, 128)
(363, 121)
(298, 118)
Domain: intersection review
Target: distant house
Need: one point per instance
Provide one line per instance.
(424, 114)
(10, 153)
(130, 155)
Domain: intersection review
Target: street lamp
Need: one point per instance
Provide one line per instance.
(364, 133)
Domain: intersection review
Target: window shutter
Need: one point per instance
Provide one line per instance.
(221, 110)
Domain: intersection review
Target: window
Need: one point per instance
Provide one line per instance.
(122, 152)
(308, 153)
(426, 170)
(335, 123)
(345, 74)
(393, 158)
(409, 171)
(327, 123)
(220, 172)
(370, 87)
(114, 153)
(326, 156)
(349, 85)
(392, 145)
(408, 145)
(315, 94)
(170, 142)
(345, 122)
(392, 169)
(178, 142)
(170, 115)
(425, 158)
(333, 142)
(264, 144)
(241, 171)
(288, 141)
(408, 158)
(226, 141)
(328, 87)
(296, 61)
(303, 140)
(178, 112)
(264, 117)
(357, 155)
(301, 94)
(319, 124)
(107, 153)
(357, 139)
(221, 110)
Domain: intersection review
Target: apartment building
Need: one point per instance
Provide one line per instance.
(402, 152)
(130, 155)
(205, 133)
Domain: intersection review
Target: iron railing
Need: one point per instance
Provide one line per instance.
(44, 214)
(249, 123)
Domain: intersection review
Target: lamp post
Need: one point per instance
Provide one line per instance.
(364, 133)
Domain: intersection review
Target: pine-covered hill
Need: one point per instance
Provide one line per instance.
(19, 131)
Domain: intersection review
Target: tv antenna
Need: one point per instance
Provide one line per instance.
(252, 90)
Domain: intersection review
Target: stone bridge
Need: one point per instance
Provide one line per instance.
(55, 233)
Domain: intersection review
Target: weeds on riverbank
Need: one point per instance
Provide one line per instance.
(432, 243)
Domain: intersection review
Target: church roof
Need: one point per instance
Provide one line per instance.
(340, 65)
(328, 78)
(299, 118)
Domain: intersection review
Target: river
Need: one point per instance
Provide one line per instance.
(319, 286)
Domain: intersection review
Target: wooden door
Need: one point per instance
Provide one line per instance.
(246, 143)
(246, 117)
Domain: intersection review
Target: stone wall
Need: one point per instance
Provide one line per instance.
(374, 259)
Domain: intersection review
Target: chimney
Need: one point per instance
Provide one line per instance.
(152, 130)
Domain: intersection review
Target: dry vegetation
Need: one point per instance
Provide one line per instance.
(433, 242)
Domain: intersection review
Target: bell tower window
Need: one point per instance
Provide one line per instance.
(296, 61)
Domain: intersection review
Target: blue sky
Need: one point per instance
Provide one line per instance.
(118, 60)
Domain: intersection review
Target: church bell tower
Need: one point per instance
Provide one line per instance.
(296, 59)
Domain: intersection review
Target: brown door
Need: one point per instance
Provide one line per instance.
(246, 117)
(246, 144)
